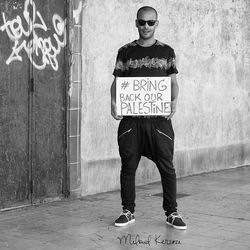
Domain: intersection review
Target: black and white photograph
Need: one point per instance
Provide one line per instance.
(124, 124)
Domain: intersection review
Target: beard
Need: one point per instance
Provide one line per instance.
(146, 35)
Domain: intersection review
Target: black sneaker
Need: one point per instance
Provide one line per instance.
(125, 218)
(176, 221)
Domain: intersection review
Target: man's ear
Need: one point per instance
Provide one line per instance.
(157, 22)
(136, 23)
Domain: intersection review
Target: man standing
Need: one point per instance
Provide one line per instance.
(152, 137)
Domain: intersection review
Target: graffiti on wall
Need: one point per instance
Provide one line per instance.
(77, 12)
(41, 51)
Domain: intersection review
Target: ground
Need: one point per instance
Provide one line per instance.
(215, 207)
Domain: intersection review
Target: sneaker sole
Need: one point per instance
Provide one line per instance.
(124, 224)
(176, 227)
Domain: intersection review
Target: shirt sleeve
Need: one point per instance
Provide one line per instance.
(172, 64)
(119, 65)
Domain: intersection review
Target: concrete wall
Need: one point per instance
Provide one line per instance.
(211, 39)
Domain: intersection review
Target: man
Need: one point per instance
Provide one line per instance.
(152, 137)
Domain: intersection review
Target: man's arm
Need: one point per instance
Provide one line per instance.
(113, 101)
(174, 94)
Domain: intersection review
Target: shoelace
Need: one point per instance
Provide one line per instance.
(126, 214)
(174, 216)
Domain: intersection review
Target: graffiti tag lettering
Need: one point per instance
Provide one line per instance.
(76, 13)
(40, 51)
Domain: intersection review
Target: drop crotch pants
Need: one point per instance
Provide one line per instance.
(128, 141)
(155, 140)
(163, 134)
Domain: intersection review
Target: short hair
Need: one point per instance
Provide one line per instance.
(147, 8)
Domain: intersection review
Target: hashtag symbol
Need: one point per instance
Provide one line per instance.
(124, 85)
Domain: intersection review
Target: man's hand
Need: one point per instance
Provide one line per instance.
(174, 95)
(173, 109)
(114, 111)
(113, 103)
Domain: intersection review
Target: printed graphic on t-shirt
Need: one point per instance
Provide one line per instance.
(146, 62)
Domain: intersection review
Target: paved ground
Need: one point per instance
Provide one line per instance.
(215, 206)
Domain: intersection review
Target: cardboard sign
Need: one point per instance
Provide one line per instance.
(143, 96)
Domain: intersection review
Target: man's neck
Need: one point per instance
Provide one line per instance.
(146, 43)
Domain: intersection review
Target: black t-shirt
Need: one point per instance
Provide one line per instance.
(134, 60)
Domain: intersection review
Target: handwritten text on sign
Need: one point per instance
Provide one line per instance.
(143, 96)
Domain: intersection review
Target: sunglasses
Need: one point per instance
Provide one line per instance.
(149, 22)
